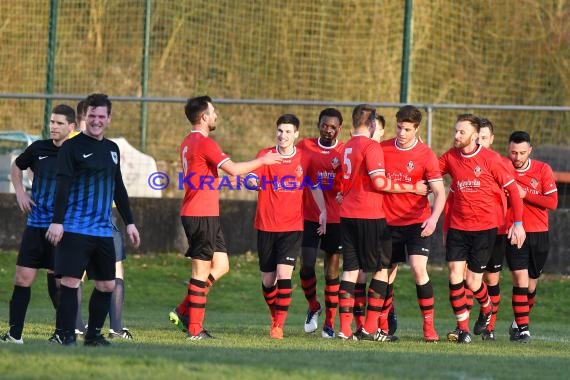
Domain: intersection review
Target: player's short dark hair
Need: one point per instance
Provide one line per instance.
(99, 100)
(382, 120)
(195, 107)
(289, 118)
(330, 112)
(81, 108)
(486, 123)
(472, 119)
(409, 114)
(65, 110)
(518, 137)
(363, 114)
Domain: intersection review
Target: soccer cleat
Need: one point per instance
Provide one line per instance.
(125, 334)
(344, 337)
(68, 341)
(453, 336)
(521, 337)
(392, 321)
(180, 321)
(328, 332)
(383, 336)
(95, 340)
(312, 320)
(10, 339)
(276, 332)
(56, 337)
(482, 322)
(203, 335)
(488, 335)
(364, 335)
(464, 337)
(513, 330)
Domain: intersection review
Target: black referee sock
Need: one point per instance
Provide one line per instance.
(53, 289)
(116, 309)
(18, 307)
(66, 310)
(99, 305)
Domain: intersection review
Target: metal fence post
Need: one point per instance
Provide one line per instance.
(145, 71)
(52, 40)
(406, 47)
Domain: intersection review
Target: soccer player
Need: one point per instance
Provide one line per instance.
(279, 218)
(35, 251)
(366, 242)
(325, 155)
(411, 219)
(477, 178)
(492, 273)
(201, 158)
(537, 187)
(88, 180)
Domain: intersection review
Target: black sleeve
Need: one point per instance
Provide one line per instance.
(26, 158)
(61, 197)
(121, 199)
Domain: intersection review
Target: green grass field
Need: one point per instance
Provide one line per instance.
(238, 316)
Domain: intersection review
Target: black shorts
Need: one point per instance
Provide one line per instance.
(205, 236)
(78, 253)
(471, 246)
(330, 242)
(495, 263)
(531, 256)
(408, 240)
(366, 244)
(277, 248)
(35, 250)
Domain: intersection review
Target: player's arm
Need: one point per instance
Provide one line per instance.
(121, 199)
(237, 168)
(549, 198)
(320, 201)
(65, 172)
(516, 232)
(24, 200)
(430, 224)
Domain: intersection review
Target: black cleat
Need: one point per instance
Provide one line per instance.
(384, 336)
(464, 337)
(203, 335)
(482, 322)
(363, 335)
(521, 337)
(453, 336)
(488, 335)
(392, 321)
(95, 340)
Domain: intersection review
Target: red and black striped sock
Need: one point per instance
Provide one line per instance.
(426, 301)
(376, 299)
(331, 300)
(346, 306)
(483, 298)
(196, 305)
(284, 290)
(459, 305)
(520, 306)
(309, 285)
(469, 299)
(270, 295)
(388, 305)
(359, 309)
(495, 296)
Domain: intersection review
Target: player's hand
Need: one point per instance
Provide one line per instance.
(134, 235)
(421, 188)
(252, 184)
(54, 233)
(25, 202)
(428, 227)
(339, 197)
(322, 224)
(517, 235)
(271, 158)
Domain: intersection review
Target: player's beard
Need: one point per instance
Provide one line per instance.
(212, 127)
